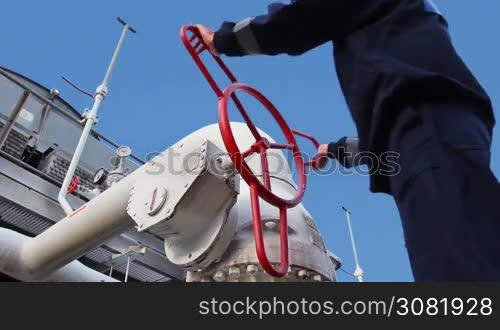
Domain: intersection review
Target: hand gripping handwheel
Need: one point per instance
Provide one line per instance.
(191, 37)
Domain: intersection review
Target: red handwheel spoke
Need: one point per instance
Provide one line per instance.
(201, 48)
(308, 137)
(247, 153)
(265, 169)
(316, 161)
(225, 69)
(259, 237)
(254, 148)
(198, 44)
(281, 146)
(284, 239)
(192, 40)
(247, 119)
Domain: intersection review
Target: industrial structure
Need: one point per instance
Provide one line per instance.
(76, 206)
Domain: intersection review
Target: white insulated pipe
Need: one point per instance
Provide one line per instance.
(11, 244)
(88, 227)
(90, 120)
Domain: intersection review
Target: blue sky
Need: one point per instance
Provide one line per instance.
(157, 95)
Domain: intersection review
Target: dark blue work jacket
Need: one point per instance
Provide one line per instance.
(389, 54)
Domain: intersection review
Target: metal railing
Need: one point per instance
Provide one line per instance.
(64, 112)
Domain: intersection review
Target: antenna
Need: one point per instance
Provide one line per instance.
(90, 116)
(359, 273)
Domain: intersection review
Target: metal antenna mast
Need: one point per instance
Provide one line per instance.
(90, 118)
(359, 273)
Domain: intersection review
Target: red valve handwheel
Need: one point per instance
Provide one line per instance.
(195, 46)
(260, 147)
(193, 41)
(191, 38)
(257, 188)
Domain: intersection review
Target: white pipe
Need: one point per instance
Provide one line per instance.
(90, 120)
(359, 273)
(11, 244)
(52, 254)
(128, 267)
(115, 55)
(88, 227)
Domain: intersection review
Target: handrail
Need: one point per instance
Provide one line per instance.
(64, 112)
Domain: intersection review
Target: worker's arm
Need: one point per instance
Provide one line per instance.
(345, 151)
(300, 26)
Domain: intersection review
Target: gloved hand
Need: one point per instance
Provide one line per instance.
(344, 151)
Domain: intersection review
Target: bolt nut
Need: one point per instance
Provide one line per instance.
(234, 272)
(219, 276)
(270, 225)
(252, 269)
(317, 278)
(302, 274)
(225, 164)
(193, 164)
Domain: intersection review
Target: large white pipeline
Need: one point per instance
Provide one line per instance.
(11, 244)
(91, 225)
(51, 255)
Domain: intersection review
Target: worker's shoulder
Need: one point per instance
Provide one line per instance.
(430, 6)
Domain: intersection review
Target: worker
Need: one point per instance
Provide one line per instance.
(409, 93)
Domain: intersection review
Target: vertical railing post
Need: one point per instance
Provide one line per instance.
(4, 134)
(359, 273)
(43, 119)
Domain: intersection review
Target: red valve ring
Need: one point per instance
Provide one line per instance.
(258, 189)
(260, 146)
